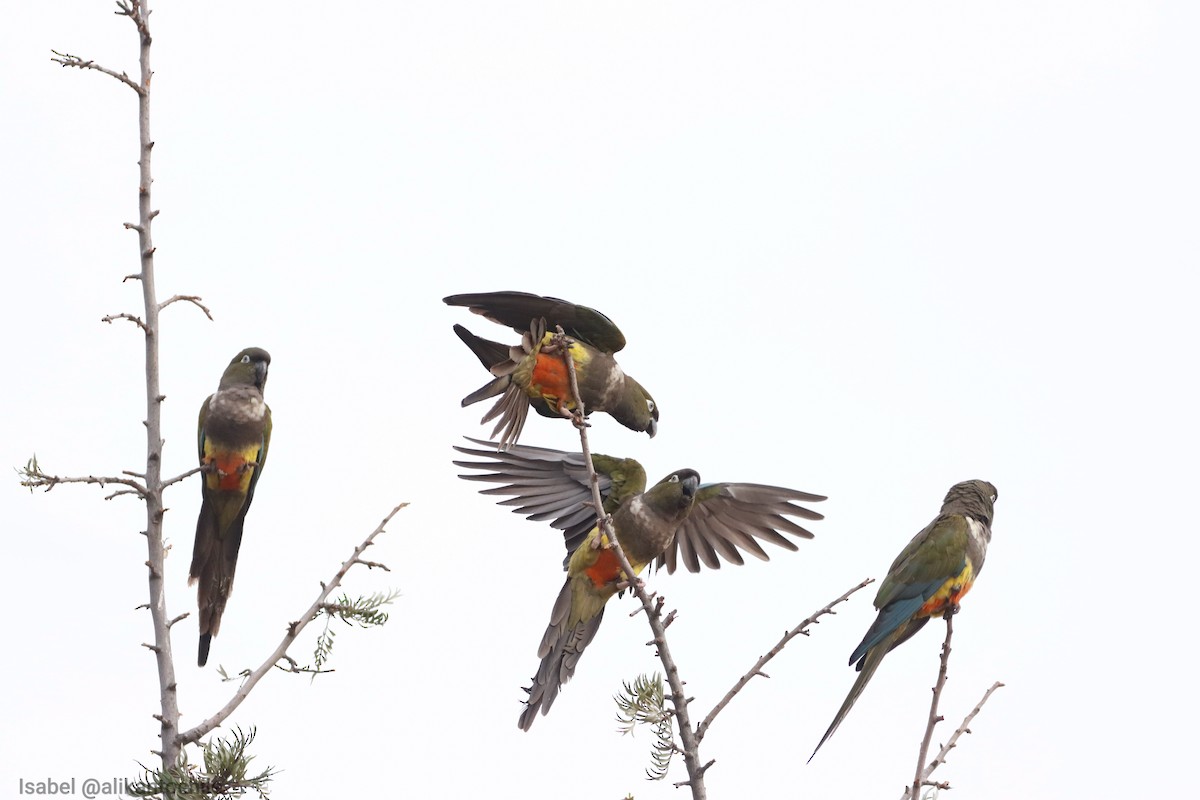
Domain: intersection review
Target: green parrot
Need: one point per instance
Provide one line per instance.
(531, 374)
(234, 432)
(677, 519)
(928, 579)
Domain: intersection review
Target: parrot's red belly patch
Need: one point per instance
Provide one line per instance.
(231, 474)
(606, 569)
(550, 377)
(950, 594)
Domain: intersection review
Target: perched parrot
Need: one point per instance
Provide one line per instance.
(531, 374)
(927, 579)
(676, 519)
(234, 432)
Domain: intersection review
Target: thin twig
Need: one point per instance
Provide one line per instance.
(293, 631)
(68, 60)
(184, 475)
(186, 298)
(135, 320)
(774, 651)
(952, 742)
(934, 719)
(679, 700)
(40, 480)
(294, 666)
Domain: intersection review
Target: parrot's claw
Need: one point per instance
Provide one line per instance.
(623, 585)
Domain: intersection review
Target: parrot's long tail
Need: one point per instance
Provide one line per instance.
(213, 563)
(560, 651)
(870, 663)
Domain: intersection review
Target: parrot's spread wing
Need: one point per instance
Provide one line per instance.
(732, 517)
(552, 485)
(516, 309)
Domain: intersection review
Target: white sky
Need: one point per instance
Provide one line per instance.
(863, 249)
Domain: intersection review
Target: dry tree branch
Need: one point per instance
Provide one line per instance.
(33, 478)
(934, 719)
(293, 631)
(132, 318)
(952, 742)
(756, 670)
(187, 298)
(679, 700)
(151, 491)
(68, 60)
(183, 475)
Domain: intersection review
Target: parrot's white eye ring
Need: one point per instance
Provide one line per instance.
(246, 359)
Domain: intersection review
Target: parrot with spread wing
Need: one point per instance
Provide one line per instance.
(928, 579)
(234, 432)
(676, 520)
(534, 373)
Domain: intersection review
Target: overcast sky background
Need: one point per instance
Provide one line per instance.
(861, 249)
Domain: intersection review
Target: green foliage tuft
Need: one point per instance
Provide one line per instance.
(642, 704)
(226, 774)
(364, 612)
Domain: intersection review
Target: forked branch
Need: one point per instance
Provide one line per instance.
(293, 631)
(951, 743)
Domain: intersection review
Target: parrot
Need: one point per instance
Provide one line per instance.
(928, 579)
(233, 435)
(532, 373)
(676, 520)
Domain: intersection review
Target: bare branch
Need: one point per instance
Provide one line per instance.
(293, 631)
(934, 719)
(134, 9)
(33, 478)
(186, 298)
(756, 670)
(952, 742)
(135, 320)
(373, 565)
(68, 60)
(184, 475)
(704, 769)
(679, 700)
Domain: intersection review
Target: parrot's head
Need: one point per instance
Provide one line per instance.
(248, 368)
(974, 498)
(636, 409)
(674, 495)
